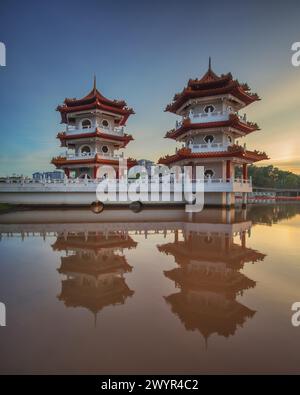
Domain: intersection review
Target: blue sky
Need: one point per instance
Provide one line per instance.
(143, 52)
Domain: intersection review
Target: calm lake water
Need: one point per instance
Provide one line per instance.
(161, 291)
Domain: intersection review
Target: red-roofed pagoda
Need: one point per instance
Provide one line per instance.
(209, 128)
(94, 130)
(209, 279)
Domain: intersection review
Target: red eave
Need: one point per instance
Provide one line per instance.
(93, 106)
(92, 96)
(234, 151)
(233, 121)
(233, 89)
(98, 133)
(212, 85)
(63, 161)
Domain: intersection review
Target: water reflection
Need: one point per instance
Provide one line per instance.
(204, 248)
(209, 279)
(269, 214)
(94, 268)
(164, 278)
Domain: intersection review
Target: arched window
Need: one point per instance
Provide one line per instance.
(229, 139)
(104, 149)
(85, 150)
(105, 123)
(209, 138)
(86, 124)
(209, 173)
(209, 109)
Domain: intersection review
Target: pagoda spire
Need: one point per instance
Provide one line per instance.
(209, 64)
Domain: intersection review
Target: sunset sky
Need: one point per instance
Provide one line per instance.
(143, 52)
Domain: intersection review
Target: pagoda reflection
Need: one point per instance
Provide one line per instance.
(209, 278)
(94, 268)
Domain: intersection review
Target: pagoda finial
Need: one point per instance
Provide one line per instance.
(95, 84)
(209, 63)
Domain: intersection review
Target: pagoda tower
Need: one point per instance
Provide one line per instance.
(94, 131)
(209, 279)
(209, 130)
(94, 266)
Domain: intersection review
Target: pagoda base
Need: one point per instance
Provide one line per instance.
(83, 192)
(219, 199)
(72, 198)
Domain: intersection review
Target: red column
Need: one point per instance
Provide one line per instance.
(67, 172)
(117, 173)
(227, 243)
(243, 240)
(95, 171)
(228, 170)
(176, 236)
(193, 170)
(245, 171)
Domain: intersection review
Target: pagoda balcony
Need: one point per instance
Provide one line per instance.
(91, 155)
(208, 147)
(116, 131)
(216, 116)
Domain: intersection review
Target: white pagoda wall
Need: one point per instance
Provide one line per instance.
(199, 138)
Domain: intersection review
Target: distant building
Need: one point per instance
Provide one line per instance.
(147, 164)
(14, 178)
(52, 175)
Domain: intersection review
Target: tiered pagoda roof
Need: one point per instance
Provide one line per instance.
(121, 141)
(96, 266)
(92, 101)
(185, 251)
(209, 318)
(94, 298)
(230, 283)
(212, 85)
(233, 122)
(94, 242)
(235, 151)
(97, 159)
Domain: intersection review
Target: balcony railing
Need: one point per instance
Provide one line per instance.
(118, 131)
(215, 116)
(218, 185)
(89, 155)
(208, 147)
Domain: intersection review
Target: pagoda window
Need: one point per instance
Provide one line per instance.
(229, 139)
(209, 173)
(105, 123)
(209, 109)
(105, 149)
(85, 150)
(209, 138)
(86, 124)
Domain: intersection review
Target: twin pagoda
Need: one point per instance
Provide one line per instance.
(208, 128)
